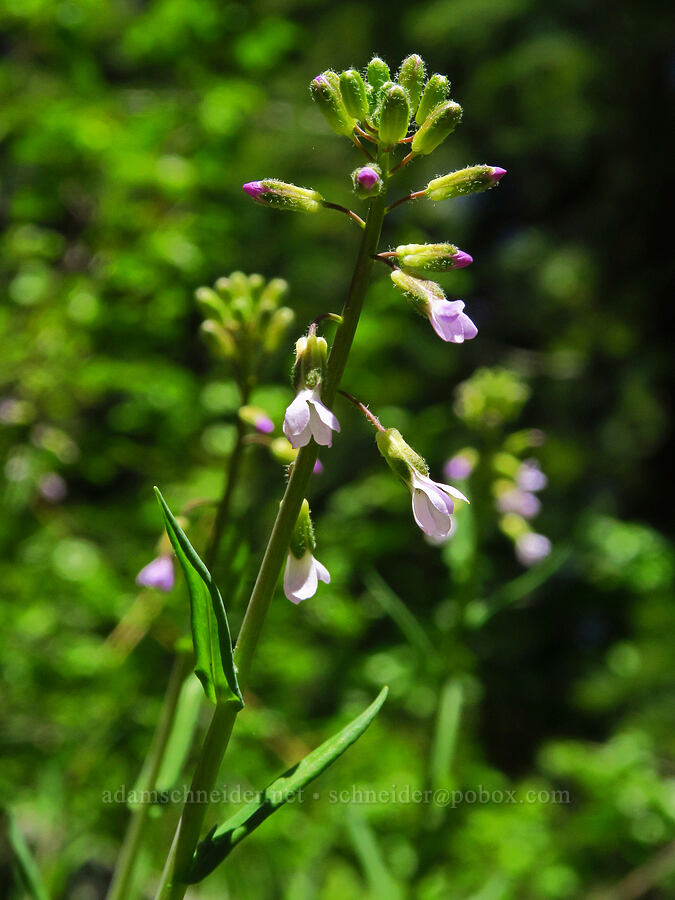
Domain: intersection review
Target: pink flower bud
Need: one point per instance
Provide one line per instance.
(497, 173)
(254, 189)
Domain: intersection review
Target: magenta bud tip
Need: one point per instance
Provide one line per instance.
(461, 259)
(318, 467)
(319, 80)
(254, 189)
(264, 425)
(497, 173)
(367, 177)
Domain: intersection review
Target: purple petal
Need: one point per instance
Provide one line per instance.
(497, 173)
(367, 177)
(264, 425)
(318, 467)
(254, 189)
(458, 467)
(531, 548)
(461, 259)
(469, 330)
(157, 574)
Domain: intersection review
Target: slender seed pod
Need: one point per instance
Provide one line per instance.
(470, 180)
(436, 91)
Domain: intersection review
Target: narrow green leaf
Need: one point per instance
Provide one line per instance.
(382, 884)
(219, 843)
(182, 732)
(392, 604)
(214, 663)
(447, 728)
(25, 866)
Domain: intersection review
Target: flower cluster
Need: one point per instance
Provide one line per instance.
(379, 113)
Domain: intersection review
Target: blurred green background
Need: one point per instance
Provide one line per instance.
(126, 131)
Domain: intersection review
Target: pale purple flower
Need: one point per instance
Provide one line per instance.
(263, 424)
(302, 576)
(531, 548)
(307, 417)
(432, 505)
(157, 574)
(254, 189)
(449, 322)
(367, 178)
(53, 488)
(458, 467)
(530, 477)
(497, 173)
(522, 503)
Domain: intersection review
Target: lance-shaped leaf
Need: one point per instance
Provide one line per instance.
(220, 842)
(214, 663)
(24, 864)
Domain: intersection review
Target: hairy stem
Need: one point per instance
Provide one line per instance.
(172, 886)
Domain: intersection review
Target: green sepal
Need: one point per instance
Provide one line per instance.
(436, 91)
(214, 662)
(302, 539)
(220, 842)
(399, 455)
(440, 122)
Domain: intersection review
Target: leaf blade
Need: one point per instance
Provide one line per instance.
(214, 661)
(220, 842)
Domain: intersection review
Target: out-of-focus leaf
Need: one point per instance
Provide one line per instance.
(22, 858)
(220, 842)
(214, 663)
(392, 604)
(382, 884)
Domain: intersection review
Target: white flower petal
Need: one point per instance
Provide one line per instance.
(297, 414)
(300, 580)
(321, 433)
(322, 572)
(449, 489)
(327, 417)
(429, 519)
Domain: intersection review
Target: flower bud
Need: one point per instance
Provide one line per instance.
(311, 353)
(257, 417)
(303, 538)
(411, 77)
(354, 96)
(394, 115)
(419, 291)
(400, 456)
(220, 341)
(210, 305)
(440, 122)
(325, 91)
(277, 327)
(367, 181)
(377, 75)
(282, 195)
(436, 91)
(273, 291)
(432, 257)
(465, 181)
(282, 451)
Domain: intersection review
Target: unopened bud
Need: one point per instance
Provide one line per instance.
(273, 291)
(367, 181)
(282, 451)
(210, 305)
(411, 76)
(464, 181)
(436, 91)
(219, 339)
(277, 327)
(325, 91)
(419, 291)
(394, 115)
(377, 75)
(354, 96)
(399, 455)
(432, 257)
(440, 122)
(258, 418)
(282, 195)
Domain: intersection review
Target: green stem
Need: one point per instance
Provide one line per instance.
(122, 882)
(189, 827)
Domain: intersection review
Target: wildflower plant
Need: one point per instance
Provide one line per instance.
(391, 121)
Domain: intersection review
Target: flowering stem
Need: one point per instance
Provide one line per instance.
(348, 212)
(364, 409)
(172, 887)
(404, 161)
(358, 143)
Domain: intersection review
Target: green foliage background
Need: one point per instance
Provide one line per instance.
(126, 131)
